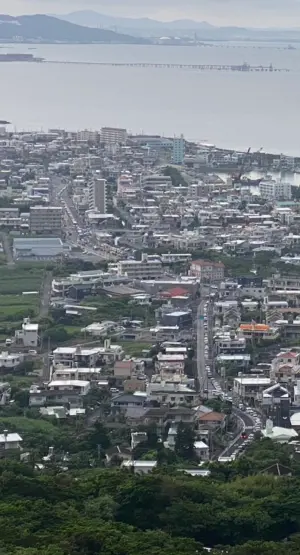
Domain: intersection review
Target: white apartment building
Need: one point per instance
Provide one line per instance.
(46, 219)
(29, 334)
(178, 149)
(75, 356)
(275, 190)
(113, 135)
(97, 195)
(206, 270)
(88, 135)
(81, 387)
(10, 361)
(140, 269)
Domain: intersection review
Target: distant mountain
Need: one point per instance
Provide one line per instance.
(146, 27)
(90, 18)
(44, 28)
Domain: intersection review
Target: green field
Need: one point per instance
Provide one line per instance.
(13, 305)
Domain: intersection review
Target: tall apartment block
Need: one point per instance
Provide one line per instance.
(113, 135)
(97, 195)
(46, 220)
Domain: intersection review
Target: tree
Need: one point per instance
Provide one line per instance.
(184, 442)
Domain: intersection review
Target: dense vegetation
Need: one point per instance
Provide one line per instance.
(113, 512)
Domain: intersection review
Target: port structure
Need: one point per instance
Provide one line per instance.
(196, 67)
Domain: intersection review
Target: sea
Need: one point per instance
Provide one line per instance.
(229, 109)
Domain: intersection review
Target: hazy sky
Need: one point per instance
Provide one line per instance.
(260, 13)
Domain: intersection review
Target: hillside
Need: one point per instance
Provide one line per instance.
(43, 28)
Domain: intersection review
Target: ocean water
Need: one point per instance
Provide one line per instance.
(234, 110)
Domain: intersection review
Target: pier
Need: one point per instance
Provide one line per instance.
(195, 67)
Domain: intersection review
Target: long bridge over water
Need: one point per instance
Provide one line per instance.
(196, 67)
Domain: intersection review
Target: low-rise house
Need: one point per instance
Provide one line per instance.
(10, 361)
(70, 393)
(128, 400)
(201, 450)
(86, 357)
(140, 467)
(10, 441)
(212, 420)
(29, 334)
(67, 373)
(277, 433)
(250, 387)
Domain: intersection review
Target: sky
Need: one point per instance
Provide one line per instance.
(255, 13)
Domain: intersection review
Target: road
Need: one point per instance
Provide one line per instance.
(7, 250)
(247, 423)
(45, 295)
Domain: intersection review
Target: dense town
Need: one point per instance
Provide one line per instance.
(149, 310)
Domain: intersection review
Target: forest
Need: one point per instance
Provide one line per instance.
(241, 509)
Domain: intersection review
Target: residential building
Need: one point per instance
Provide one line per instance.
(29, 334)
(286, 367)
(211, 420)
(81, 387)
(277, 433)
(247, 387)
(275, 190)
(71, 357)
(75, 373)
(97, 195)
(201, 450)
(263, 331)
(69, 393)
(113, 135)
(10, 441)
(207, 271)
(37, 248)
(46, 220)
(139, 467)
(10, 360)
(140, 269)
(276, 403)
(180, 318)
(154, 181)
(229, 343)
(88, 135)
(178, 149)
(170, 393)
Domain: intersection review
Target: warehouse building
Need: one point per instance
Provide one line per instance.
(47, 248)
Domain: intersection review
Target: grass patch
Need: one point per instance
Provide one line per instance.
(22, 382)
(15, 307)
(30, 425)
(134, 348)
(20, 278)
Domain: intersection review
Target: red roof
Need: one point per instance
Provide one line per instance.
(287, 355)
(178, 292)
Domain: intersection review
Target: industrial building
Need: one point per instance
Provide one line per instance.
(38, 248)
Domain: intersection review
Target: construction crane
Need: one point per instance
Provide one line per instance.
(237, 177)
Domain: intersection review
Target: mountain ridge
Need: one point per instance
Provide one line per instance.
(150, 28)
(45, 28)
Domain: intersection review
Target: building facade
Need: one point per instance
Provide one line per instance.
(46, 220)
(275, 190)
(178, 149)
(113, 135)
(97, 195)
(206, 270)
